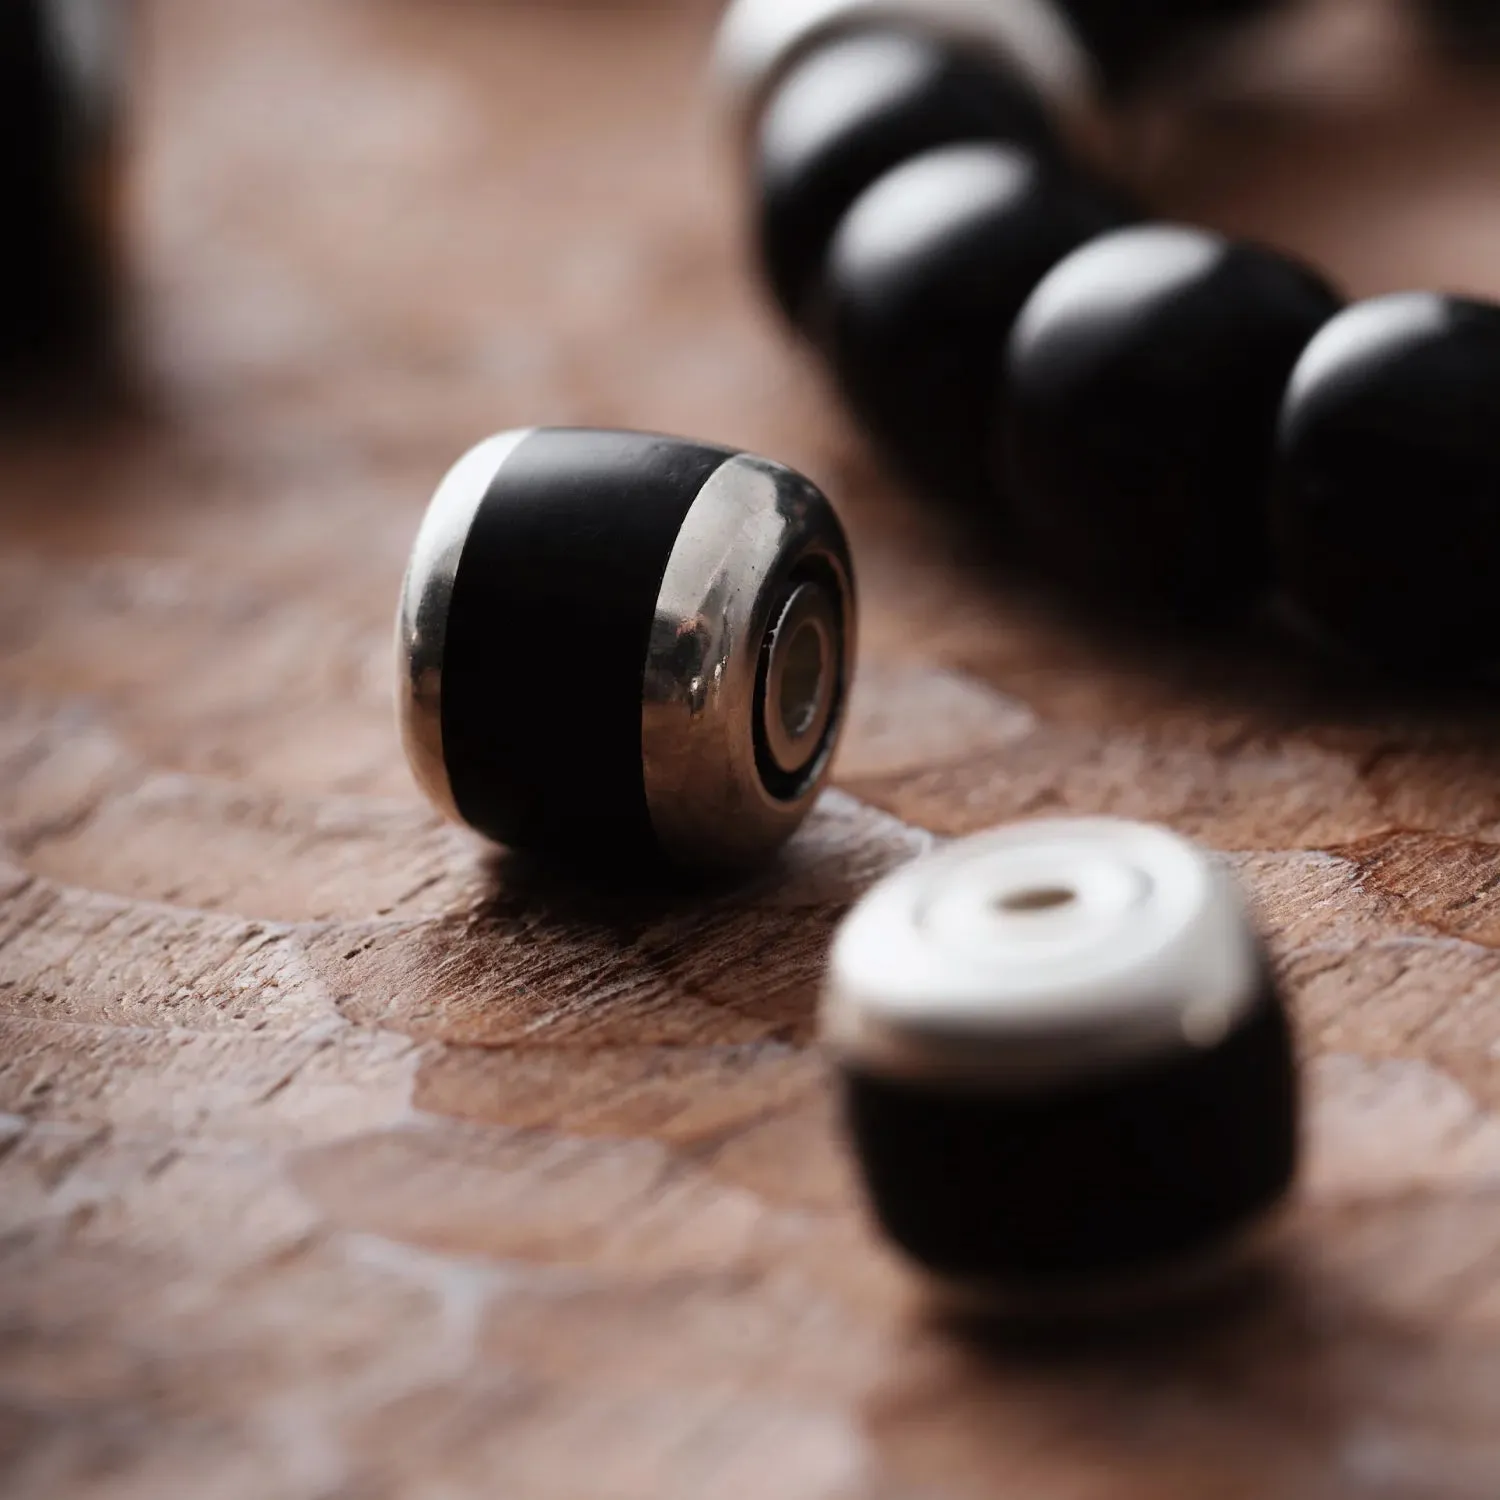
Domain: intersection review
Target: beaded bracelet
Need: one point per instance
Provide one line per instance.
(1150, 414)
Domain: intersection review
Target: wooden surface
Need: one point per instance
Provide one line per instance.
(333, 1162)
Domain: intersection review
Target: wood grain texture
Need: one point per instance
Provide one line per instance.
(339, 1163)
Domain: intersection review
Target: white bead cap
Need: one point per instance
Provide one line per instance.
(1042, 952)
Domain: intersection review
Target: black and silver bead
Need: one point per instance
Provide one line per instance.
(615, 647)
(1066, 1070)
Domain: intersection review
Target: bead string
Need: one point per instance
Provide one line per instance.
(1153, 415)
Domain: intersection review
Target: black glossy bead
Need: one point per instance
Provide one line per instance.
(1143, 380)
(1066, 1071)
(1464, 26)
(1386, 510)
(851, 110)
(618, 648)
(59, 80)
(1128, 39)
(925, 277)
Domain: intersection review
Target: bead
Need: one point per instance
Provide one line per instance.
(845, 114)
(1386, 506)
(1067, 1074)
(1126, 41)
(925, 276)
(614, 647)
(1143, 379)
(60, 67)
(758, 41)
(1466, 27)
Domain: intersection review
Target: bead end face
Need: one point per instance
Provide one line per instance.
(1040, 954)
(749, 664)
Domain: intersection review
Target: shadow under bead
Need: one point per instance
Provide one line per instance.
(1068, 1077)
(925, 277)
(1386, 505)
(60, 66)
(1143, 380)
(848, 112)
(619, 651)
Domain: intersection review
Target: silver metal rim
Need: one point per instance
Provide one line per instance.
(759, 40)
(1041, 953)
(426, 597)
(753, 538)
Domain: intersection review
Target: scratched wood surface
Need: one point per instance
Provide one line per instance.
(337, 1165)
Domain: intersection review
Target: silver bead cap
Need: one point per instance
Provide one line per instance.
(422, 616)
(749, 664)
(1042, 952)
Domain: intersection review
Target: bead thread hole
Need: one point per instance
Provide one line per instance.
(1035, 899)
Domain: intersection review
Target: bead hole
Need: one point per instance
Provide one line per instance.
(1036, 898)
(801, 694)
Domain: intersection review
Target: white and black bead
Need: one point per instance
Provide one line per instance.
(61, 82)
(616, 648)
(1066, 1070)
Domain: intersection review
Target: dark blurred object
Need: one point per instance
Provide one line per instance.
(60, 86)
(925, 277)
(1462, 26)
(849, 112)
(1143, 381)
(1128, 37)
(1386, 512)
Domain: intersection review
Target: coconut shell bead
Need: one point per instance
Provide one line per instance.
(925, 277)
(1143, 379)
(848, 112)
(1386, 514)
